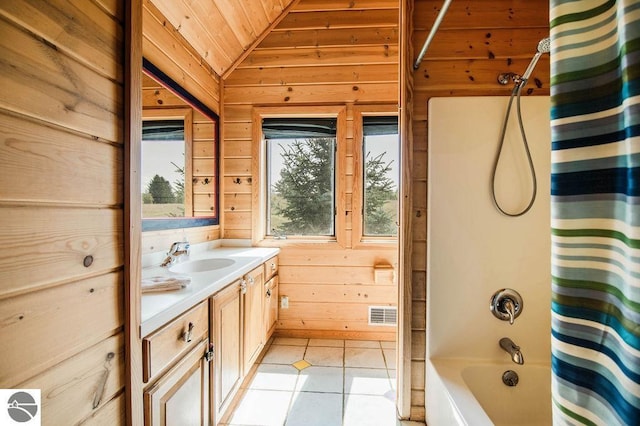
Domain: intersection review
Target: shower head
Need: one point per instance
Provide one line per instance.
(544, 46)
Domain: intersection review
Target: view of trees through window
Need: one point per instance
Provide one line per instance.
(301, 184)
(301, 196)
(163, 178)
(380, 178)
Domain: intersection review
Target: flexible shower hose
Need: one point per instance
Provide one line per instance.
(514, 93)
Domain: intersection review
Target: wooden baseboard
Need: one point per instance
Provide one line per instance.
(389, 335)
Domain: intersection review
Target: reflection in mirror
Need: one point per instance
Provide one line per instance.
(163, 164)
(179, 156)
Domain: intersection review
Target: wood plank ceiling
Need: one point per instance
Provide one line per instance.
(223, 32)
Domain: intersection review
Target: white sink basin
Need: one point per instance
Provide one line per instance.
(202, 265)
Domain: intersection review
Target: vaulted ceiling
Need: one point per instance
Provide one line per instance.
(223, 31)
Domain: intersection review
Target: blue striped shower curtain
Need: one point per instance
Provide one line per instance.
(595, 207)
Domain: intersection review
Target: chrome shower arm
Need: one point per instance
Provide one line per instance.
(432, 33)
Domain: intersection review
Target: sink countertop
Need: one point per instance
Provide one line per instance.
(159, 308)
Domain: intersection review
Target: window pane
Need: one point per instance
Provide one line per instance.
(300, 175)
(163, 168)
(381, 176)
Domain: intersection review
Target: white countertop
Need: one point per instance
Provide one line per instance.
(160, 308)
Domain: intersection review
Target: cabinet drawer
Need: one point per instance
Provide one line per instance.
(270, 307)
(270, 268)
(181, 396)
(161, 348)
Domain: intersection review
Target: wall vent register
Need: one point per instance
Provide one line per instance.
(383, 315)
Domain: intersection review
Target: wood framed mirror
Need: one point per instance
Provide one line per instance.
(180, 145)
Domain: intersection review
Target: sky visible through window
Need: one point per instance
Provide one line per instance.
(388, 144)
(157, 157)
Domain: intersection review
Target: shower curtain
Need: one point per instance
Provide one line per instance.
(595, 208)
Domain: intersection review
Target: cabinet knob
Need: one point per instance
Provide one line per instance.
(273, 266)
(251, 281)
(187, 335)
(268, 292)
(243, 287)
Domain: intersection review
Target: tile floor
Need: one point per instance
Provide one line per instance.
(309, 382)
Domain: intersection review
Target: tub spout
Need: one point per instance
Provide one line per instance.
(512, 349)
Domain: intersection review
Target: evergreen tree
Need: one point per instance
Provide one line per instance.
(306, 186)
(379, 189)
(178, 184)
(303, 195)
(160, 190)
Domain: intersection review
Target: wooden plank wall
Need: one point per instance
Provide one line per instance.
(477, 40)
(61, 202)
(336, 52)
(167, 49)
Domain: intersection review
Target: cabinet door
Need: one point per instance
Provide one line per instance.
(270, 307)
(227, 326)
(181, 396)
(253, 326)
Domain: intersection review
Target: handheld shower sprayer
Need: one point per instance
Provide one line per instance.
(544, 46)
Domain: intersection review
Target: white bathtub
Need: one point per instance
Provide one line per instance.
(471, 393)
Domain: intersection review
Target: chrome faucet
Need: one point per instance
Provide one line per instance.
(506, 304)
(512, 349)
(510, 308)
(178, 251)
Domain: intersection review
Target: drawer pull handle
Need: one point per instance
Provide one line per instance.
(268, 293)
(273, 266)
(186, 336)
(243, 287)
(250, 279)
(208, 356)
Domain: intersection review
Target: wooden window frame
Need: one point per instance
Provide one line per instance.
(358, 239)
(258, 171)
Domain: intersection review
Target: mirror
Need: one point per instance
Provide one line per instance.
(179, 156)
(165, 145)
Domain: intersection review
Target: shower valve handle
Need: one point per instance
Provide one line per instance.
(506, 305)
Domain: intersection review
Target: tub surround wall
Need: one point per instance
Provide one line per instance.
(473, 249)
(476, 41)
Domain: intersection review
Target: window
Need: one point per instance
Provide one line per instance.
(163, 168)
(380, 176)
(326, 174)
(300, 174)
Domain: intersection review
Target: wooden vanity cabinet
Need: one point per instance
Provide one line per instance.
(181, 396)
(270, 307)
(271, 267)
(166, 345)
(183, 387)
(270, 298)
(252, 295)
(226, 308)
(176, 367)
